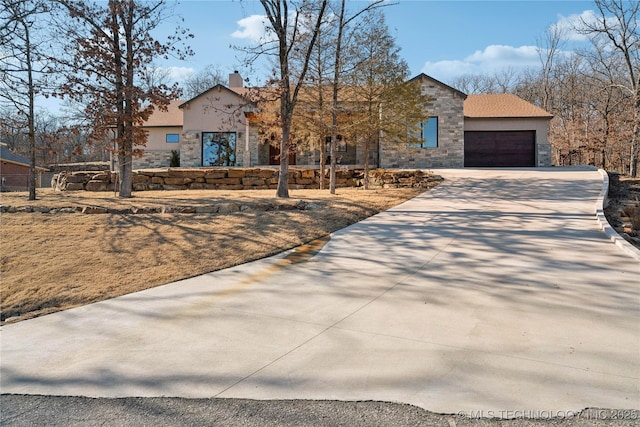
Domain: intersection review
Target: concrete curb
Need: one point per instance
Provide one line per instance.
(617, 239)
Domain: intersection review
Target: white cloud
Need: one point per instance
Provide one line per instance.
(252, 28)
(570, 26)
(495, 58)
(488, 61)
(179, 73)
(444, 70)
(499, 55)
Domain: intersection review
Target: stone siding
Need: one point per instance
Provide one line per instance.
(543, 155)
(191, 149)
(153, 159)
(447, 105)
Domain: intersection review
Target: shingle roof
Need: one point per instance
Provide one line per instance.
(8, 156)
(501, 106)
(171, 117)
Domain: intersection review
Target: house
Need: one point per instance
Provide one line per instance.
(217, 129)
(14, 171)
(220, 127)
(164, 130)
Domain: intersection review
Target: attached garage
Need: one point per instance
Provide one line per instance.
(503, 130)
(500, 148)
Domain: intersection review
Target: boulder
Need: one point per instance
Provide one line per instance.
(228, 208)
(74, 186)
(96, 186)
(94, 210)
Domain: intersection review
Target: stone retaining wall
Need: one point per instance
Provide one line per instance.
(238, 179)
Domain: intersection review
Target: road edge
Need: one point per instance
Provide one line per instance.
(617, 239)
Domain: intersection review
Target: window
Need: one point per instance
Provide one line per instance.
(427, 133)
(341, 144)
(218, 148)
(173, 138)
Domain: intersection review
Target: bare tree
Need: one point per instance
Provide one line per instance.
(604, 76)
(548, 48)
(23, 69)
(500, 81)
(343, 22)
(202, 81)
(284, 23)
(386, 103)
(111, 49)
(618, 23)
(316, 114)
(313, 118)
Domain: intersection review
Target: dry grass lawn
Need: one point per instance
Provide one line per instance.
(55, 261)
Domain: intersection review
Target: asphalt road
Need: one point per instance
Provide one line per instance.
(30, 411)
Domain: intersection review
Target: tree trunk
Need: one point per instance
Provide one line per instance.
(323, 161)
(32, 164)
(334, 108)
(30, 119)
(332, 167)
(283, 177)
(366, 164)
(633, 161)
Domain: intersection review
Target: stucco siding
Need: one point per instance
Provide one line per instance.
(215, 111)
(218, 110)
(157, 138)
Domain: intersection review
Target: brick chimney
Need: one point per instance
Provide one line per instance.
(235, 80)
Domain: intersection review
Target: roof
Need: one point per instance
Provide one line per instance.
(500, 106)
(171, 117)
(237, 91)
(8, 156)
(438, 82)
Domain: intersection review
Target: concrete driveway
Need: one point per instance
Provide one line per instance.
(496, 291)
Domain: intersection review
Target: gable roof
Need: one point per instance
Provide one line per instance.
(500, 106)
(8, 156)
(438, 82)
(235, 91)
(171, 117)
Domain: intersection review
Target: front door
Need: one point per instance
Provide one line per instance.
(274, 155)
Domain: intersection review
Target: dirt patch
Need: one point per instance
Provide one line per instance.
(623, 211)
(51, 260)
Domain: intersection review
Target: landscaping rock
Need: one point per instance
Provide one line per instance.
(238, 179)
(207, 209)
(228, 208)
(74, 186)
(96, 186)
(94, 210)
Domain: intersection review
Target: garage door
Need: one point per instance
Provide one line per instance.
(500, 149)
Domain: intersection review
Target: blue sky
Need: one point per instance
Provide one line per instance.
(441, 38)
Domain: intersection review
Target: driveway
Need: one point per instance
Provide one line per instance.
(496, 291)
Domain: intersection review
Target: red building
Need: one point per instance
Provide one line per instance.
(14, 171)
